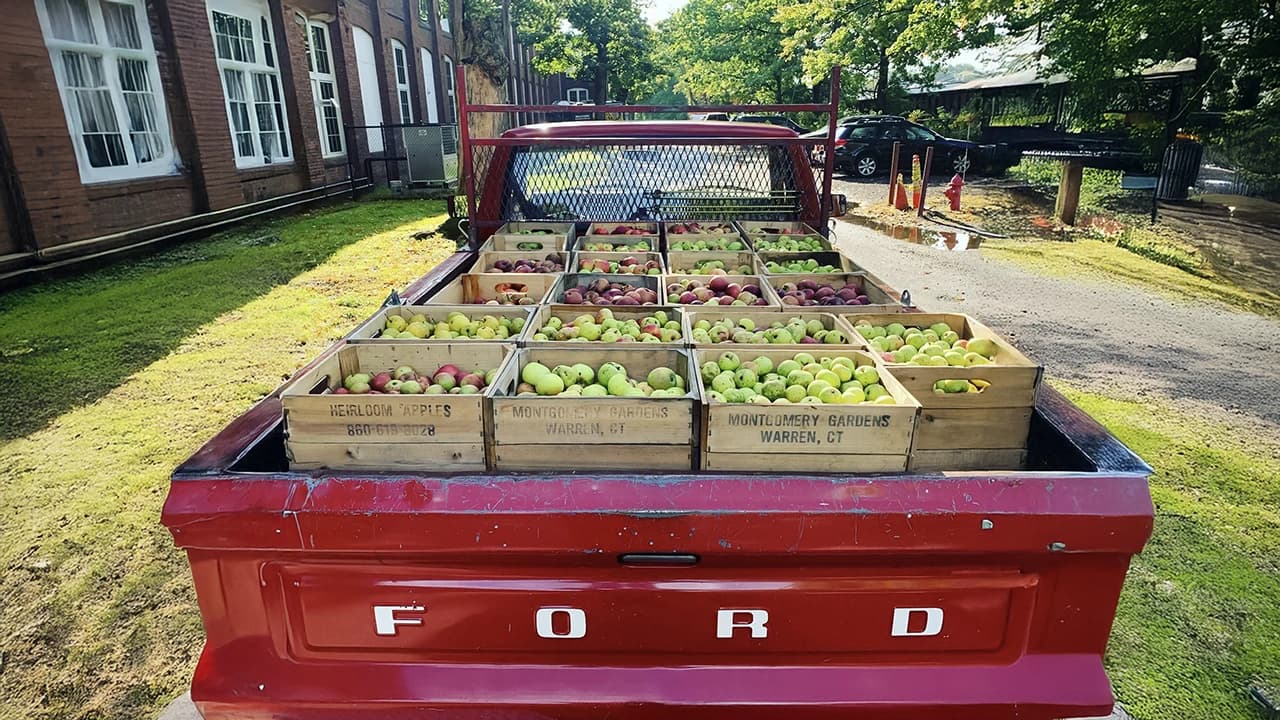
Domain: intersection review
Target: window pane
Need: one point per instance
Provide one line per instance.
(241, 130)
(401, 73)
(320, 49)
(140, 102)
(93, 110)
(267, 55)
(233, 38)
(122, 25)
(406, 107)
(70, 20)
(424, 10)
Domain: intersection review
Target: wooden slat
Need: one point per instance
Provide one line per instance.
(973, 428)
(439, 457)
(818, 462)
(959, 460)
(596, 457)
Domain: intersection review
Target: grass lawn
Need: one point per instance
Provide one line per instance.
(1086, 257)
(112, 378)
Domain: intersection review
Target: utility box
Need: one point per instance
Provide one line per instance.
(432, 151)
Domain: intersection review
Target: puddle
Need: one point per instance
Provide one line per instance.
(950, 240)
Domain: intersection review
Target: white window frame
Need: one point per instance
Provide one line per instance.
(450, 89)
(319, 79)
(582, 95)
(400, 70)
(163, 164)
(257, 12)
(446, 10)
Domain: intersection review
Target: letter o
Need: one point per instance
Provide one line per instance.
(577, 623)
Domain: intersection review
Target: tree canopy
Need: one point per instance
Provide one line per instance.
(607, 41)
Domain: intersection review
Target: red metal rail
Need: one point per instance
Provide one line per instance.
(466, 109)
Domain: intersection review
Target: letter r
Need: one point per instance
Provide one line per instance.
(727, 622)
(385, 620)
(902, 620)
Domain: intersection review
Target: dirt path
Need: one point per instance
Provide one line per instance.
(1096, 333)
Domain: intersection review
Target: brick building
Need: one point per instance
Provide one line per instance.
(122, 120)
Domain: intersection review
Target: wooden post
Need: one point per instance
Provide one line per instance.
(893, 171)
(1069, 191)
(924, 179)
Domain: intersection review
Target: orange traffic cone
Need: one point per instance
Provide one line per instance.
(900, 195)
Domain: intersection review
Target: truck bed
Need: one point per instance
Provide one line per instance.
(585, 595)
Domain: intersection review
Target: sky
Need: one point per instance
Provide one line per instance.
(660, 10)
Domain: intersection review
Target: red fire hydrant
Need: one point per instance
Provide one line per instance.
(953, 191)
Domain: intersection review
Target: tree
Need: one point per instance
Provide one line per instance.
(882, 44)
(482, 48)
(606, 40)
(730, 52)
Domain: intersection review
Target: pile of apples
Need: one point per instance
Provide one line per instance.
(789, 243)
(603, 291)
(802, 379)
(404, 380)
(716, 291)
(454, 326)
(608, 380)
(537, 231)
(744, 331)
(528, 245)
(626, 266)
(811, 293)
(637, 246)
(552, 263)
(937, 345)
(956, 385)
(508, 293)
(602, 326)
(731, 243)
(623, 230)
(713, 267)
(798, 265)
(695, 228)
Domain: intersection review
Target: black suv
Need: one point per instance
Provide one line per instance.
(864, 146)
(778, 120)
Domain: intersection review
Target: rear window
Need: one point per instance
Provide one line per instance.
(865, 132)
(656, 181)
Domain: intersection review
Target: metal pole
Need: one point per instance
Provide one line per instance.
(893, 170)
(924, 180)
(829, 160)
(464, 134)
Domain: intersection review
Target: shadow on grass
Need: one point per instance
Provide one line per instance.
(70, 341)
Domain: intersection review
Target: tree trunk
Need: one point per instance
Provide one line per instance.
(601, 90)
(882, 83)
(482, 47)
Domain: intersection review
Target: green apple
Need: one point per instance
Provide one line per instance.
(764, 365)
(854, 395)
(875, 390)
(534, 371)
(618, 384)
(729, 362)
(723, 382)
(786, 367)
(595, 390)
(610, 370)
(549, 384)
(661, 378)
(795, 393)
(866, 375)
(986, 347)
(800, 377)
(829, 395)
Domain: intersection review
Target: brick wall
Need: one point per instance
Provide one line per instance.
(8, 243)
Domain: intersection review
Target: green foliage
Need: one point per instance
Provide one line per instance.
(965, 124)
(606, 40)
(1096, 186)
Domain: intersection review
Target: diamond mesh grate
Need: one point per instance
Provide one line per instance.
(660, 182)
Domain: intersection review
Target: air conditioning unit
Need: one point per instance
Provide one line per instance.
(433, 154)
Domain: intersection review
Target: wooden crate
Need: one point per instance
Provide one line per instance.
(881, 299)
(643, 257)
(682, 262)
(572, 280)
(595, 433)
(486, 259)
(775, 227)
(771, 300)
(967, 431)
(833, 259)
(569, 312)
(807, 438)
(511, 235)
(614, 241)
(764, 318)
(370, 331)
(481, 288)
(439, 433)
(701, 231)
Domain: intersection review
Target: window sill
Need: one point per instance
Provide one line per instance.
(252, 172)
(101, 189)
(334, 161)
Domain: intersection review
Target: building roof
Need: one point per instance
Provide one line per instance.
(1032, 77)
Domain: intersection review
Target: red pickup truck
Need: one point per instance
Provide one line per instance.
(575, 594)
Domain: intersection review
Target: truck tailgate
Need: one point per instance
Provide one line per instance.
(966, 596)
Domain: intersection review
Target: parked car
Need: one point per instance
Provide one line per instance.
(722, 117)
(864, 146)
(778, 120)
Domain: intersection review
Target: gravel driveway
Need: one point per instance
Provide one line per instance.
(1097, 334)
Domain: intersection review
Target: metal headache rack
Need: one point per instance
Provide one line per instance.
(586, 172)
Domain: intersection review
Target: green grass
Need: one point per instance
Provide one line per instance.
(1199, 618)
(111, 379)
(1087, 258)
